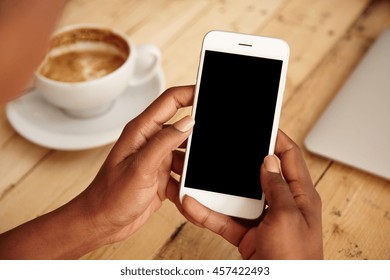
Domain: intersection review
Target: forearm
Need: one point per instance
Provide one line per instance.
(25, 28)
(66, 233)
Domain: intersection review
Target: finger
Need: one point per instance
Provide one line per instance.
(298, 178)
(247, 246)
(220, 224)
(182, 145)
(170, 101)
(144, 126)
(275, 188)
(172, 193)
(292, 162)
(163, 143)
(178, 162)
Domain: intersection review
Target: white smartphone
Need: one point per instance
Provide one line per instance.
(237, 104)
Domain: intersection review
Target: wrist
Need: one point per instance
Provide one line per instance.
(89, 224)
(65, 233)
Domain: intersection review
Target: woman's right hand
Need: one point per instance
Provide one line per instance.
(291, 226)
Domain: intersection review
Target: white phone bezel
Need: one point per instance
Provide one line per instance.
(242, 44)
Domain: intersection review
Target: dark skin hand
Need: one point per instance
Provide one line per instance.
(130, 186)
(290, 228)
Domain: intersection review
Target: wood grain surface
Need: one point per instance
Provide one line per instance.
(327, 40)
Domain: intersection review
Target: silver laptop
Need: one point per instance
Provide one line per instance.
(355, 128)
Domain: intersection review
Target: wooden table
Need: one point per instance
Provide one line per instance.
(327, 39)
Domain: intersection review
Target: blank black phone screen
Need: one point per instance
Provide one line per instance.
(233, 123)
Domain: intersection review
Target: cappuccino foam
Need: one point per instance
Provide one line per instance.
(79, 66)
(84, 54)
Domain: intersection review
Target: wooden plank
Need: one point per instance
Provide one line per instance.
(57, 178)
(6, 130)
(343, 190)
(162, 28)
(107, 13)
(145, 243)
(319, 23)
(356, 204)
(312, 97)
(181, 58)
(204, 245)
(184, 50)
(18, 157)
(313, 20)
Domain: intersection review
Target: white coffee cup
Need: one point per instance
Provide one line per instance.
(86, 87)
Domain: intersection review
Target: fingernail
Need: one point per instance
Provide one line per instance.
(184, 124)
(271, 164)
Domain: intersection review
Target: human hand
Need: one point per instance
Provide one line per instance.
(127, 190)
(291, 227)
(132, 182)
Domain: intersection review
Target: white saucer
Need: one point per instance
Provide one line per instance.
(45, 125)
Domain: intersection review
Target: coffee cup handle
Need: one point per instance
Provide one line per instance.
(147, 61)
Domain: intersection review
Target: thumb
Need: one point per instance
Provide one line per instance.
(165, 141)
(275, 188)
(185, 124)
